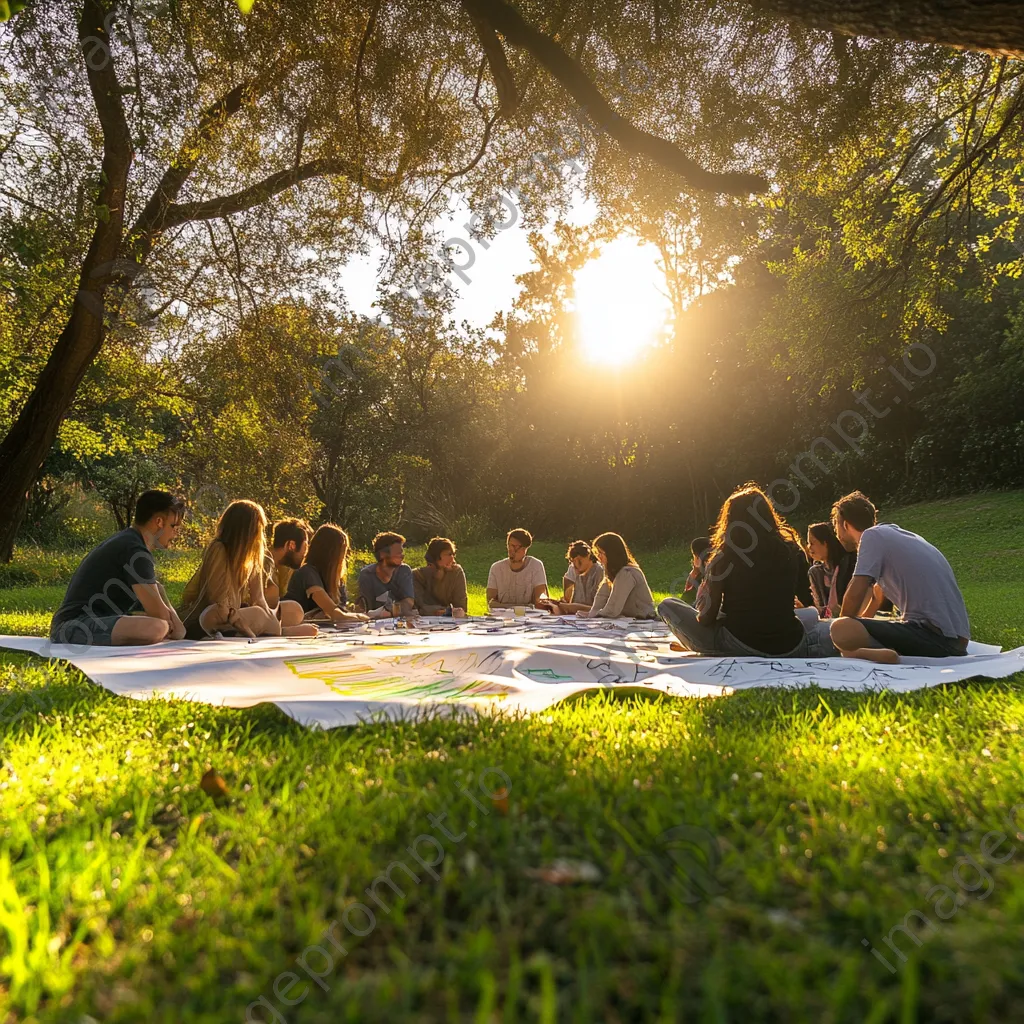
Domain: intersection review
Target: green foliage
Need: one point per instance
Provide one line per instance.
(128, 893)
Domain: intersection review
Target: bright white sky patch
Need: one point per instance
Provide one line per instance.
(620, 309)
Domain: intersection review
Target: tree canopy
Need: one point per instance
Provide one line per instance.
(183, 183)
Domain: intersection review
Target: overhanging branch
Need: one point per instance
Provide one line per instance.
(993, 26)
(508, 95)
(271, 186)
(507, 20)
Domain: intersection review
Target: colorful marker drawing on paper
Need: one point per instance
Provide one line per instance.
(418, 678)
(548, 674)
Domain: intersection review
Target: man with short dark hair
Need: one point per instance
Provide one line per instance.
(285, 555)
(114, 598)
(386, 588)
(519, 579)
(440, 585)
(912, 573)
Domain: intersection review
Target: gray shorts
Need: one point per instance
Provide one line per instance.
(89, 631)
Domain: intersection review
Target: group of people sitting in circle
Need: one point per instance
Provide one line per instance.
(759, 590)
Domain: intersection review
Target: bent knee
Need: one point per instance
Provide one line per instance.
(144, 631)
(846, 632)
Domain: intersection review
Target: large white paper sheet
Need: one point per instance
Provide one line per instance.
(351, 676)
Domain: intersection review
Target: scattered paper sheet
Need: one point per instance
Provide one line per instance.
(357, 674)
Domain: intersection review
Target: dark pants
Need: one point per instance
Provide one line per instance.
(717, 640)
(91, 631)
(913, 639)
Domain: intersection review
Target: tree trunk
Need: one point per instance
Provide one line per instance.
(26, 446)
(30, 439)
(994, 26)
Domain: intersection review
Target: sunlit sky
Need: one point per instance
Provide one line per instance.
(619, 303)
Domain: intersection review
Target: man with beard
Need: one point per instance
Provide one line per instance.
(913, 574)
(387, 588)
(519, 579)
(287, 550)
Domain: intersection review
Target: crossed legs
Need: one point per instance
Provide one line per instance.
(854, 641)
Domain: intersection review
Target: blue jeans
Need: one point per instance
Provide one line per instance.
(717, 640)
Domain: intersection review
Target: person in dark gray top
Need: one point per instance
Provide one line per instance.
(388, 585)
(114, 598)
(913, 574)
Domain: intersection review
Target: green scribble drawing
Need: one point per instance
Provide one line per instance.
(348, 676)
(545, 673)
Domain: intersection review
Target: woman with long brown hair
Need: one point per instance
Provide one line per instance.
(624, 590)
(319, 584)
(225, 594)
(832, 570)
(752, 585)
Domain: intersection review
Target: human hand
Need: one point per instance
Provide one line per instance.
(458, 613)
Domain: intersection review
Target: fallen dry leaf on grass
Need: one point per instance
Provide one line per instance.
(566, 872)
(213, 785)
(500, 801)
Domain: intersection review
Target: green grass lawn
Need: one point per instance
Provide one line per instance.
(806, 822)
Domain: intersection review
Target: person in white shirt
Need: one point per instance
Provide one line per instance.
(624, 591)
(519, 579)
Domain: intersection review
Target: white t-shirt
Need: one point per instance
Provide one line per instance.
(516, 587)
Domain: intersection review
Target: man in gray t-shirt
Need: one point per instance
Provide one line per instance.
(913, 574)
(387, 586)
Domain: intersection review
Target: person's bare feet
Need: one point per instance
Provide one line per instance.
(301, 629)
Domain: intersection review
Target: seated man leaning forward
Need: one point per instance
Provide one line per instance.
(913, 574)
(580, 582)
(519, 579)
(285, 554)
(440, 585)
(387, 588)
(113, 598)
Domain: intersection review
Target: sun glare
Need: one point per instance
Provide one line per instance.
(619, 309)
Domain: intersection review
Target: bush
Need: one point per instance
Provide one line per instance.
(18, 576)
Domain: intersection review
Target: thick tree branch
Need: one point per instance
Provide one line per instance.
(247, 198)
(508, 95)
(507, 20)
(117, 145)
(371, 24)
(995, 26)
(151, 221)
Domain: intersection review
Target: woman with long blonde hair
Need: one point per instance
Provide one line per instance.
(752, 587)
(319, 584)
(225, 594)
